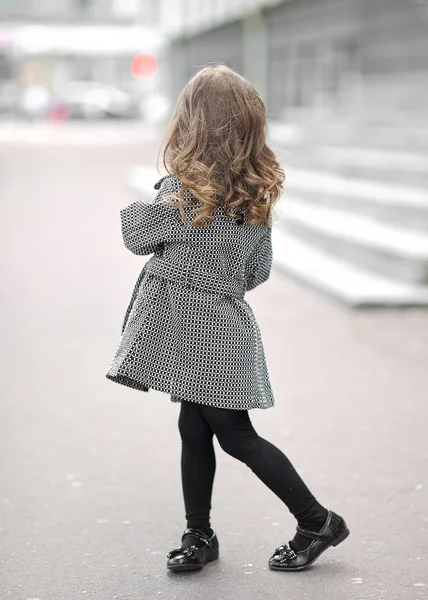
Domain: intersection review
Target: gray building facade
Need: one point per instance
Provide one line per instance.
(360, 59)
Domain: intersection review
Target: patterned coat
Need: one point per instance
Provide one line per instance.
(188, 330)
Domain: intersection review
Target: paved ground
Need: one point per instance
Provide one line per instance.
(90, 481)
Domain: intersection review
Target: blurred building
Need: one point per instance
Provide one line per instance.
(365, 59)
(61, 11)
(46, 44)
(346, 85)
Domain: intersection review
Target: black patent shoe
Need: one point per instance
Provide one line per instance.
(193, 557)
(332, 533)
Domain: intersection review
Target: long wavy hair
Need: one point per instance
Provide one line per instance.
(216, 146)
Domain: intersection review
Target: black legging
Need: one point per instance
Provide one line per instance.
(236, 435)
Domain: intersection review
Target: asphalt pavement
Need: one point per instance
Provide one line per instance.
(91, 496)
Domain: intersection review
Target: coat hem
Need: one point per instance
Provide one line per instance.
(142, 387)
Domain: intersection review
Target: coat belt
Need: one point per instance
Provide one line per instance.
(202, 280)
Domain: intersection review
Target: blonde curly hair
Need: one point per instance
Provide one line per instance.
(216, 146)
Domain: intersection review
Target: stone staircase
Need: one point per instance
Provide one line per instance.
(353, 221)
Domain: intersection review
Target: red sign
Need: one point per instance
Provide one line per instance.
(144, 65)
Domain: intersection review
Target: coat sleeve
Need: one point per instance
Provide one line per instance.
(259, 264)
(147, 225)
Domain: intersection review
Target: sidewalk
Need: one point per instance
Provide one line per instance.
(92, 498)
(77, 133)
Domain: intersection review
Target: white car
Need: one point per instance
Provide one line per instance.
(94, 100)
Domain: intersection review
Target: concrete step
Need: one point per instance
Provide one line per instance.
(389, 250)
(404, 205)
(350, 285)
(384, 166)
(386, 137)
(407, 205)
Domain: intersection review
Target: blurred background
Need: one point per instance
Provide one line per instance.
(90, 480)
(78, 59)
(345, 83)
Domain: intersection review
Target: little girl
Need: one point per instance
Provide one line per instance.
(188, 330)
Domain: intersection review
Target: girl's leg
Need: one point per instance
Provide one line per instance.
(197, 464)
(238, 438)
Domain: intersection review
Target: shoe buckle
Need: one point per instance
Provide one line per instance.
(187, 551)
(285, 553)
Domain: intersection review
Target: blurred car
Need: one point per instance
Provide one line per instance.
(155, 108)
(95, 100)
(34, 102)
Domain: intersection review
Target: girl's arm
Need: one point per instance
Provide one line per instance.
(146, 225)
(260, 262)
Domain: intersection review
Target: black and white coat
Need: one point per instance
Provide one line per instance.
(188, 330)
